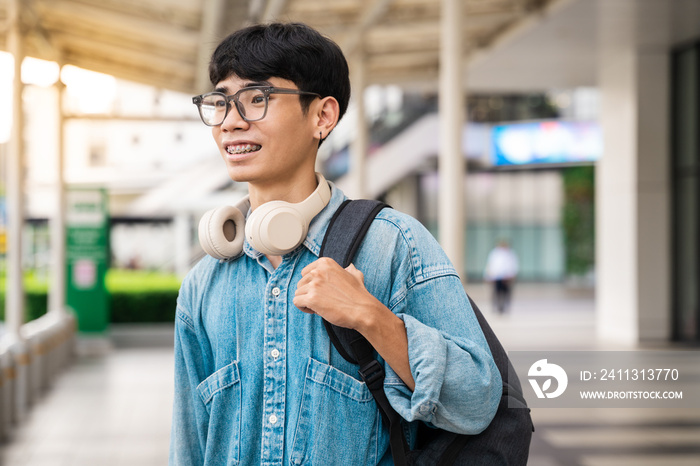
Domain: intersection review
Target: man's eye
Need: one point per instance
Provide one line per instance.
(258, 99)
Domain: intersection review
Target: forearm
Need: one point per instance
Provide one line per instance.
(387, 334)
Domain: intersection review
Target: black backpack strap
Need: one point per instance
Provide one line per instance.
(345, 233)
(511, 382)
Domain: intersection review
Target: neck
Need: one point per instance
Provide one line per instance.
(293, 191)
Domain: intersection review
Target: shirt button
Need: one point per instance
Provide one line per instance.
(273, 419)
(275, 353)
(276, 291)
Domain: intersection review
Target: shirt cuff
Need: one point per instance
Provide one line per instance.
(462, 399)
(427, 353)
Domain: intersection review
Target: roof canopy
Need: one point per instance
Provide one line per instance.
(167, 43)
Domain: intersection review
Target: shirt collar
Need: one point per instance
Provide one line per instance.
(317, 227)
(319, 224)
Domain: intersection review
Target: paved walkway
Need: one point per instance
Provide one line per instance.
(112, 410)
(115, 409)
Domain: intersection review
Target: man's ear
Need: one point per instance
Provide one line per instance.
(326, 117)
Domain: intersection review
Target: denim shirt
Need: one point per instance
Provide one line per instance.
(257, 381)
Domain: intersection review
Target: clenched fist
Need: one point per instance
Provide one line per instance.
(336, 294)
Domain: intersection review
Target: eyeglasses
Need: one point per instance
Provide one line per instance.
(251, 103)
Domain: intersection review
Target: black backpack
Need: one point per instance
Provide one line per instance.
(506, 441)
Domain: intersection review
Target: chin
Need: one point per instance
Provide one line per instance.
(242, 175)
(236, 176)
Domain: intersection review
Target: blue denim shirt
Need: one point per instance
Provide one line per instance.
(257, 381)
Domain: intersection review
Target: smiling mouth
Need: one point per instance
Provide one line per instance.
(243, 149)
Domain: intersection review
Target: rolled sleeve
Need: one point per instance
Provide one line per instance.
(457, 384)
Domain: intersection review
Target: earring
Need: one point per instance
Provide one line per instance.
(320, 135)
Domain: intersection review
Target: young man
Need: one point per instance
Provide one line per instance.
(257, 380)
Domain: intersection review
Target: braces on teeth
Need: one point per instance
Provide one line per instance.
(243, 150)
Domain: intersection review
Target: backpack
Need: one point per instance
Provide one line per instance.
(506, 441)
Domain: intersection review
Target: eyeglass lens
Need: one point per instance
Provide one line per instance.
(251, 104)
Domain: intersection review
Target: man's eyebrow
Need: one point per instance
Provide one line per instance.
(225, 90)
(258, 83)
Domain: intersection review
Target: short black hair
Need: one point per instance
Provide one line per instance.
(292, 51)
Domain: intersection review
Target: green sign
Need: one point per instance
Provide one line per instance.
(87, 257)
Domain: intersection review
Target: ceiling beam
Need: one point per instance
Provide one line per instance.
(181, 13)
(40, 37)
(528, 20)
(370, 16)
(150, 77)
(70, 15)
(416, 36)
(103, 52)
(403, 60)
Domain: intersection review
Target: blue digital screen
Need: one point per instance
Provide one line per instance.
(546, 142)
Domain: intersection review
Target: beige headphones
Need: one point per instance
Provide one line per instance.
(275, 228)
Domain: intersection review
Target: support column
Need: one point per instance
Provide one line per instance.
(57, 291)
(632, 188)
(451, 218)
(358, 148)
(14, 306)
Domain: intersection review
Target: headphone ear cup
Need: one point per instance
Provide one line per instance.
(221, 232)
(276, 228)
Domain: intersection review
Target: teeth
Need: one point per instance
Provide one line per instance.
(243, 149)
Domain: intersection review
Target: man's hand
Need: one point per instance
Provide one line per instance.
(336, 294)
(340, 297)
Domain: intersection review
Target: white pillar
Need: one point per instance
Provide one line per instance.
(14, 306)
(358, 148)
(632, 191)
(451, 218)
(57, 291)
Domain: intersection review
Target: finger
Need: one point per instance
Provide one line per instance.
(317, 264)
(323, 263)
(312, 266)
(302, 304)
(303, 281)
(357, 274)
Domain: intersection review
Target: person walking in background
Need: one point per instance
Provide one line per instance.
(501, 270)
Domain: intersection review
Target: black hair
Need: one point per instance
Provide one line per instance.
(292, 51)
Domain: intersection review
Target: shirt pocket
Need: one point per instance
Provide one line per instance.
(339, 422)
(221, 394)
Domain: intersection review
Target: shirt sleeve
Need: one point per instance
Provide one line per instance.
(190, 417)
(457, 384)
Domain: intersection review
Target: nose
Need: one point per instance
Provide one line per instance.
(234, 120)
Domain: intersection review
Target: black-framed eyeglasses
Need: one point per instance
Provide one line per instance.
(251, 103)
